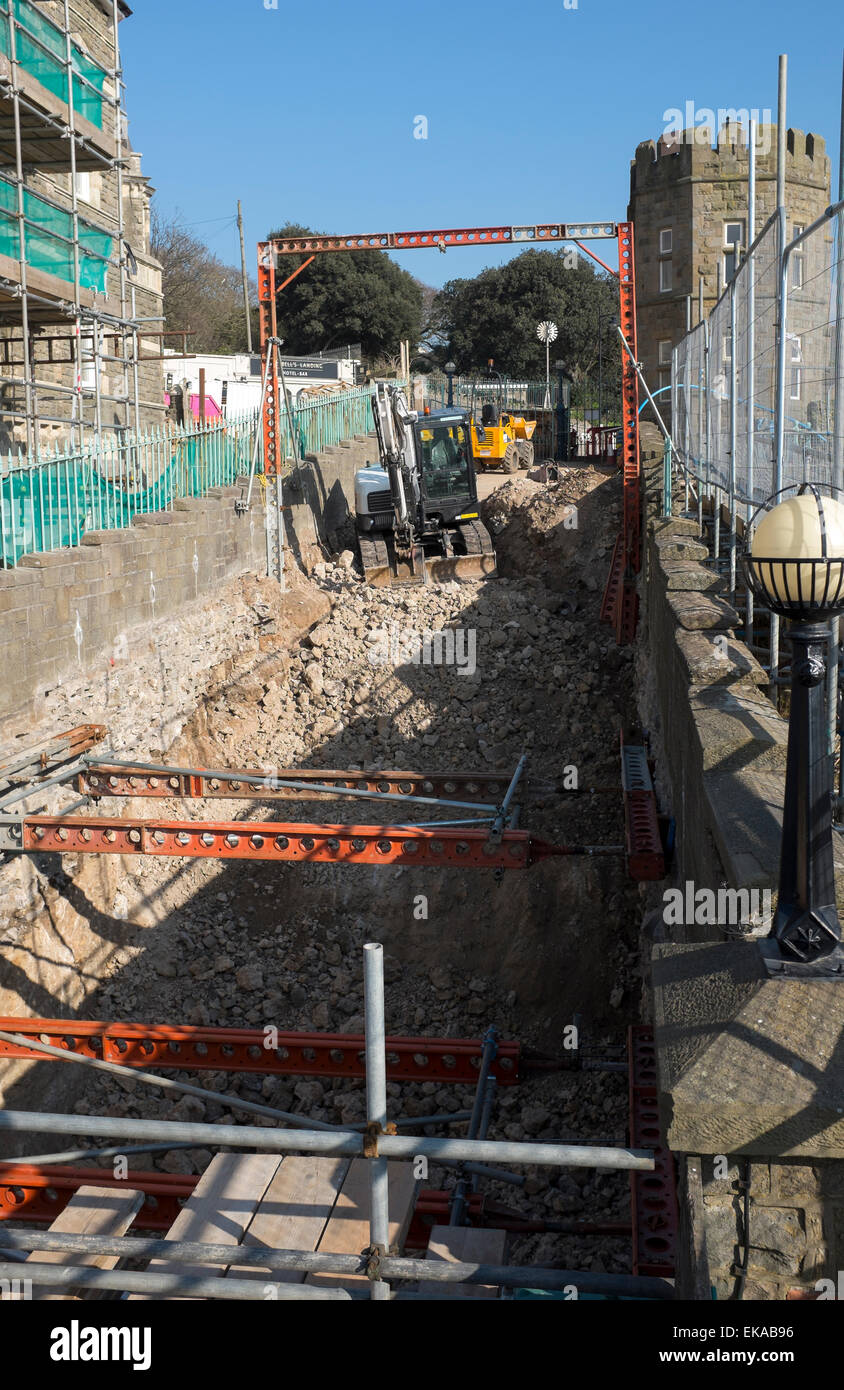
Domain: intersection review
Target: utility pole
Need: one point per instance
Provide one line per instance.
(246, 305)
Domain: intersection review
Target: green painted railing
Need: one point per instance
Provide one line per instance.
(328, 419)
(50, 505)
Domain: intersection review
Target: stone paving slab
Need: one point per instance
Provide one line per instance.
(747, 1064)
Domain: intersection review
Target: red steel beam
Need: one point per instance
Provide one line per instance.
(442, 236)
(63, 748)
(645, 853)
(286, 842)
(103, 779)
(627, 603)
(268, 319)
(193, 1048)
(29, 1192)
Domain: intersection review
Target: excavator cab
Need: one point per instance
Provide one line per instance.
(445, 462)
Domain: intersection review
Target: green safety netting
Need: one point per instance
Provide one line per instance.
(41, 52)
(46, 228)
(51, 506)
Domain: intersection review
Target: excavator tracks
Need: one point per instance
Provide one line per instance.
(375, 557)
(473, 557)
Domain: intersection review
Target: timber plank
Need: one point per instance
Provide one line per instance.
(91, 1211)
(464, 1244)
(293, 1212)
(347, 1232)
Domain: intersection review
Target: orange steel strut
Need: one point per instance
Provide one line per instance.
(193, 1047)
(282, 841)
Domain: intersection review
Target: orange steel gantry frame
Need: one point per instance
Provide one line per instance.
(620, 601)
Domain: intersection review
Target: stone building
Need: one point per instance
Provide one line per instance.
(78, 284)
(688, 203)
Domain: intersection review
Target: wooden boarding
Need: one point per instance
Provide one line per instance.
(91, 1211)
(464, 1244)
(347, 1232)
(219, 1210)
(293, 1212)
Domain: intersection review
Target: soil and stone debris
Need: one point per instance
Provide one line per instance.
(262, 944)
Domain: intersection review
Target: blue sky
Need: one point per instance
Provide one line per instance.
(306, 111)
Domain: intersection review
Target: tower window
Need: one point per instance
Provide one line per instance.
(733, 240)
(666, 245)
(795, 380)
(797, 259)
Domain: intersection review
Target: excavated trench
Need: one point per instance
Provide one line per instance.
(251, 945)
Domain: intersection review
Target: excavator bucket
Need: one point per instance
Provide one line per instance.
(472, 556)
(443, 568)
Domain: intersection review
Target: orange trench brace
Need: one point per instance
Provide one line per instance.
(282, 842)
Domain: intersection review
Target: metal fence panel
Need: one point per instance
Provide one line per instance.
(50, 505)
(705, 379)
(810, 358)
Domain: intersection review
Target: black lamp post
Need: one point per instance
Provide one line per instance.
(450, 369)
(563, 401)
(795, 566)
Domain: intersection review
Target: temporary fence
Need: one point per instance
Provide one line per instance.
(758, 386)
(758, 394)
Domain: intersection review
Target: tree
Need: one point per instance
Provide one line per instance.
(200, 292)
(496, 314)
(351, 297)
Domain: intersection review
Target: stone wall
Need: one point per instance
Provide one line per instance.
(750, 1068)
(319, 499)
(63, 610)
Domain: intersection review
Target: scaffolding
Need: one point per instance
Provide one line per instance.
(62, 112)
(377, 1271)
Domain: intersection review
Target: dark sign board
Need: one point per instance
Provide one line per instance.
(304, 369)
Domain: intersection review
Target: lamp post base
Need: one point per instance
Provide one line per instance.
(779, 967)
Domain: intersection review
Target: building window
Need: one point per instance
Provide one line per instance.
(733, 240)
(797, 259)
(666, 245)
(664, 362)
(83, 187)
(795, 379)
